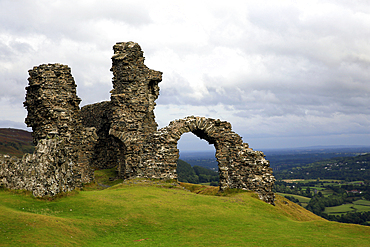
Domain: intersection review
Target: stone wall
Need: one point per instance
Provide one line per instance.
(64, 147)
(118, 133)
(46, 172)
(109, 151)
(53, 112)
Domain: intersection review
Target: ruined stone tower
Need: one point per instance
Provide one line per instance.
(54, 113)
(60, 162)
(52, 103)
(119, 133)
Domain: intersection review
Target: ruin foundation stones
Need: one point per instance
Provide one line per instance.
(122, 133)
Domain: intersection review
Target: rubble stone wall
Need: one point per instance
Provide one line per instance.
(46, 172)
(64, 147)
(51, 102)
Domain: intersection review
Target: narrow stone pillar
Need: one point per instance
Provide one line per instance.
(135, 88)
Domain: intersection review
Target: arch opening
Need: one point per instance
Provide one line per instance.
(197, 162)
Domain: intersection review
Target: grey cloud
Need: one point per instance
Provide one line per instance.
(13, 83)
(94, 94)
(315, 90)
(21, 47)
(175, 89)
(12, 124)
(14, 50)
(273, 18)
(5, 52)
(324, 39)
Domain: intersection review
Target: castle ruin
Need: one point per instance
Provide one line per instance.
(122, 133)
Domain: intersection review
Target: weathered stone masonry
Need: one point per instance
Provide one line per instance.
(239, 166)
(118, 133)
(63, 146)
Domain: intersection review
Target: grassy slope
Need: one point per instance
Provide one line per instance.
(300, 198)
(138, 213)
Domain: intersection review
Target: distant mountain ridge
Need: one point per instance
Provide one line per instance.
(282, 158)
(15, 142)
(342, 168)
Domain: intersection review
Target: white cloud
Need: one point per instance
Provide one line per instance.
(277, 70)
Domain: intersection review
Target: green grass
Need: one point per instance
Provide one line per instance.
(154, 213)
(327, 192)
(330, 184)
(106, 177)
(300, 198)
(356, 182)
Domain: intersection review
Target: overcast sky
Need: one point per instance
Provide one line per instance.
(284, 73)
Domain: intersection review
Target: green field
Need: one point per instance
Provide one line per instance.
(356, 206)
(362, 202)
(310, 180)
(154, 213)
(318, 188)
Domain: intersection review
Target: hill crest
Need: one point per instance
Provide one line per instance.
(15, 142)
(157, 213)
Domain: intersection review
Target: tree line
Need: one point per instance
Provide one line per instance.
(344, 168)
(318, 203)
(196, 174)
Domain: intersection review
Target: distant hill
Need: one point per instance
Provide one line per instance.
(286, 159)
(281, 159)
(15, 142)
(342, 168)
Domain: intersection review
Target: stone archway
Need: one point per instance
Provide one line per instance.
(239, 166)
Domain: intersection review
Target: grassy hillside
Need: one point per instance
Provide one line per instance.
(154, 213)
(15, 142)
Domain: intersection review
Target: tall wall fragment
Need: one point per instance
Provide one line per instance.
(53, 112)
(135, 88)
(63, 146)
(52, 103)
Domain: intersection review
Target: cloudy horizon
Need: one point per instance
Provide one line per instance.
(284, 73)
